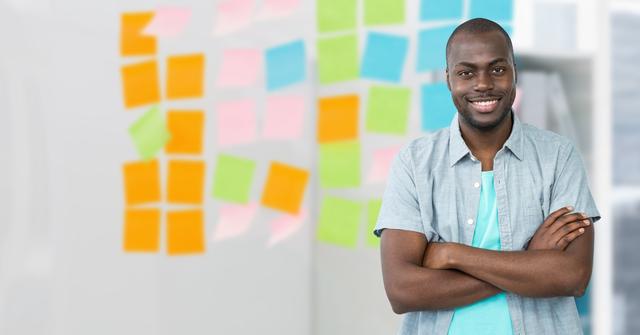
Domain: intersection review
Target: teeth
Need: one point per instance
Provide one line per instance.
(485, 103)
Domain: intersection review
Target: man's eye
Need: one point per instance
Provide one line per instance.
(464, 73)
(499, 70)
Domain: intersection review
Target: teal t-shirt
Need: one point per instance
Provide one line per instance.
(491, 315)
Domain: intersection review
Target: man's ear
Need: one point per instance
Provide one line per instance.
(515, 73)
(446, 71)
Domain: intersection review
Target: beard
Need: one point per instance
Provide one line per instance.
(470, 120)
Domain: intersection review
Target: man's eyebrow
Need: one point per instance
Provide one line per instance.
(473, 66)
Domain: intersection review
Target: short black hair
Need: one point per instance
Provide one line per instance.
(479, 25)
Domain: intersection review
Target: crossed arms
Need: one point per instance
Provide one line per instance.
(425, 276)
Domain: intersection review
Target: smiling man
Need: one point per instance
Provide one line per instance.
(486, 226)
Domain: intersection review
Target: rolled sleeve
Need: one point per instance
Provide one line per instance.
(571, 186)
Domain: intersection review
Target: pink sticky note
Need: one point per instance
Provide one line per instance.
(233, 15)
(284, 226)
(278, 8)
(382, 159)
(236, 122)
(284, 117)
(239, 68)
(234, 220)
(168, 22)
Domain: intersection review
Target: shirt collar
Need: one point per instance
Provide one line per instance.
(458, 148)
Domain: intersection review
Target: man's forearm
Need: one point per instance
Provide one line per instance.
(429, 289)
(533, 273)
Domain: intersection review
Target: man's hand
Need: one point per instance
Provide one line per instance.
(558, 230)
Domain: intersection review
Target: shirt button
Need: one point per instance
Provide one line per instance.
(470, 221)
(476, 184)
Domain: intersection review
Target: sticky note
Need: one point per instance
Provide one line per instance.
(383, 12)
(437, 107)
(388, 110)
(236, 123)
(140, 84)
(338, 118)
(338, 59)
(381, 164)
(185, 76)
(284, 226)
(432, 44)
(132, 41)
(149, 133)
(239, 68)
(233, 15)
(232, 178)
(168, 21)
(234, 220)
(340, 164)
(384, 57)
(141, 230)
(286, 65)
(435, 10)
(335, 15)
(284, 117)
(373, 209)
(185, 232)
(339, 221)
(495, 10)
(141, 182)
(278, 8)
(186, 128)
(185, 182)
(285, 187)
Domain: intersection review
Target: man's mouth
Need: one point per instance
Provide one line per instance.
(485, 105)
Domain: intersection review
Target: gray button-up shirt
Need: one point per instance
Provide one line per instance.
(433, 189)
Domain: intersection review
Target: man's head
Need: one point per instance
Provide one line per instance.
(481, 73)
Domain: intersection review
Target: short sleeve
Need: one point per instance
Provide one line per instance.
(571, 186)
(400, 202)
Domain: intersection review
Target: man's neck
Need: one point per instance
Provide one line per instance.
(484, 144)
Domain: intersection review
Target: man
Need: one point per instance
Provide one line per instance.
(486, 226)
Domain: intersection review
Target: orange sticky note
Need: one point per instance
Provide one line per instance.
(338, 118)
(186, 181)
(285, 187)
(185, 232)
(142, 230)
(185, 76)
(185, 127)
(140, 84)
(132, 41)
(141, 182)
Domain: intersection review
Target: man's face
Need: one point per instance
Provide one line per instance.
(481, 77)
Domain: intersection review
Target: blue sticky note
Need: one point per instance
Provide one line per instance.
(285, 65)
(433, 10)
(437, 107)
(384, 57)
(432, 45)
(495, 10)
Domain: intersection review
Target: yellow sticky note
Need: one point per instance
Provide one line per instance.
(141, 182)
(140, 84)
(285, 187)
(185, 232)
(186, 128)
(186, 181)
(185, 76)
(132, 41)
(142, 230)
(338, 118)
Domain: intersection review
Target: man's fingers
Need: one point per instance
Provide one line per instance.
(566, 239)
(569, 228)
(566, 219)
(555, 215)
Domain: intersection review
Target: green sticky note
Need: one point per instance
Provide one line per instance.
(383, 12)
(150, 133)
(335, 15)
(373, 209)
(340, 164)
(338, 59)
(339, 221)
(388, 110)
(232, 178)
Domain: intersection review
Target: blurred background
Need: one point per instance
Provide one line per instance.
(216, 167)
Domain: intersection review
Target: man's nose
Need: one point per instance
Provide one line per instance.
(484, 82)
